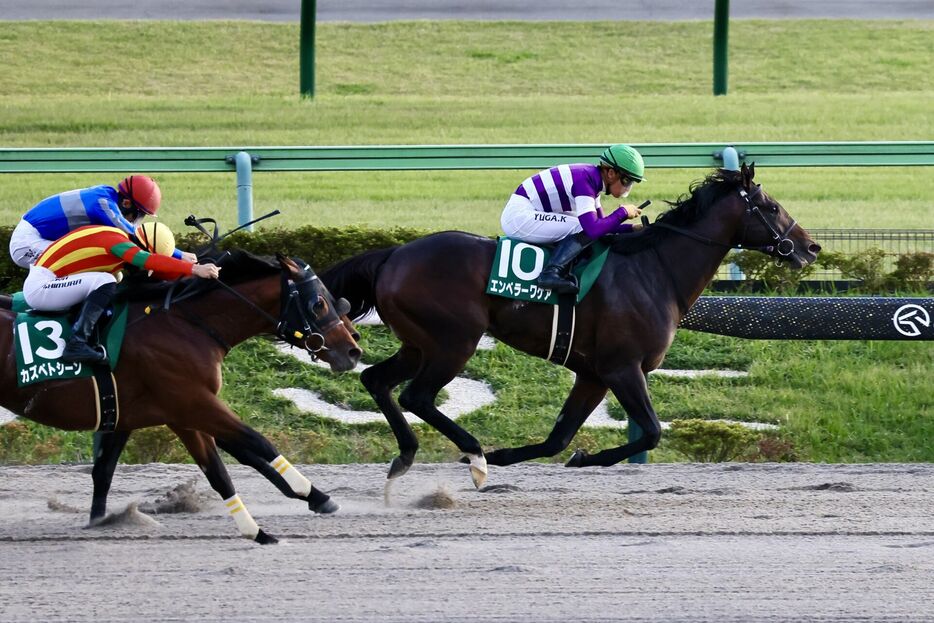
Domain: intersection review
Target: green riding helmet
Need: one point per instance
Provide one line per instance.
(624, 159)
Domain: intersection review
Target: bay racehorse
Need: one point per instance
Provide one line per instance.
(431, 293)
(169, 372)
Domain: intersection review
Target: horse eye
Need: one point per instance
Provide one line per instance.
(318, 306)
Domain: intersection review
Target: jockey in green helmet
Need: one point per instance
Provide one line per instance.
(562, 204)
(626, 160)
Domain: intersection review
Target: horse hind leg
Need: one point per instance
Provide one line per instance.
(583, 399)
(631, 389)
(380, 380)
(204, 451)
(419, 398)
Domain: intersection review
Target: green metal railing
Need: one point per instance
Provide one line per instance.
(422, 157)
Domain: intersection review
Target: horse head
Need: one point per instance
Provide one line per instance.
(312, 319)
(767, 226)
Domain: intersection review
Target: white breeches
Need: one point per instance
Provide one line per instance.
(46, 292)
(522, 221)
(26, 245)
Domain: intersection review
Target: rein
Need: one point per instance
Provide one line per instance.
(290, 304)
(783, 245)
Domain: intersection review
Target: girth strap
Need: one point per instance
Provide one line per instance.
(562, 329)
(105, 398)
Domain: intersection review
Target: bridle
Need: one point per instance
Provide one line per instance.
(781, 247)
(778, 249)
(307, 311)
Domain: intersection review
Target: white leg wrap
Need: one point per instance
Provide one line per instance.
(241, 515)
(299, 484)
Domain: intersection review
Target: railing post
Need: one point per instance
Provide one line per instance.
(307, 49)
(721, 27)
(730, 158)
(244, 164)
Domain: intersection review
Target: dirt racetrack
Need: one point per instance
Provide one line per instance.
(720, 542)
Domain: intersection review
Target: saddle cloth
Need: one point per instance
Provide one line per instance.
(40, 337)
(517, 264)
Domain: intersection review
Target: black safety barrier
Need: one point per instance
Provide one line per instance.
(813, 318)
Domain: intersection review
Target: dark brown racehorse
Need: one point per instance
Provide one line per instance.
(169, 372)
(431, 293)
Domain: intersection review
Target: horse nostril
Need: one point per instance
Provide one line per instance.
(355, 336)
(354, 353)
(814, 248)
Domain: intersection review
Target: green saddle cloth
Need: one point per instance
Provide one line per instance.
(39, 340)
(517, 265)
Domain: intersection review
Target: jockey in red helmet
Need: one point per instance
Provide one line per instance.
(123, 207)
(139, 193)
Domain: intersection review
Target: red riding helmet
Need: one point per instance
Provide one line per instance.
(142, 192)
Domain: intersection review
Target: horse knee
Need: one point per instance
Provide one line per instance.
(370, 380)
(652, 438)
(554, 445)
(412, 401)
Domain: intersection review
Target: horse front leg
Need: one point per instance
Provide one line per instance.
(419, 398)
(380, 380)
(631, 389)
(586, 394)
(250, 448)
(203, 450)
(106, 455)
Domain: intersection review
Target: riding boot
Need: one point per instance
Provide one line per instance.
(77, 349)
(556, 276)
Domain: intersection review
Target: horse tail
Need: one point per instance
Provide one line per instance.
(355, 279)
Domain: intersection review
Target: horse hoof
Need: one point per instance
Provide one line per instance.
(478, 469)
(327, 507)
(265, 539)
(321, 503)
(398, 467)
(577, 459)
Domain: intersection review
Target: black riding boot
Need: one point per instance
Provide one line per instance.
(556, 276)
(77, 349)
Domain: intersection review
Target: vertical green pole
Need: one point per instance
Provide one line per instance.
(307, 48)
(721, 28)
(634, 433)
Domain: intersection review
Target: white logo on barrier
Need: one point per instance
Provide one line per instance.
(907, 318)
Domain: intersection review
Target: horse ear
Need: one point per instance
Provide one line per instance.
(748, 172)
(286, 262)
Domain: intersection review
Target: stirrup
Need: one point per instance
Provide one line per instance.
(82, 352)
(557, 283)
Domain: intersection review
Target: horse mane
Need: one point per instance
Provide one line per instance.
(237, 266)
(354, 277)
(684, 211)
